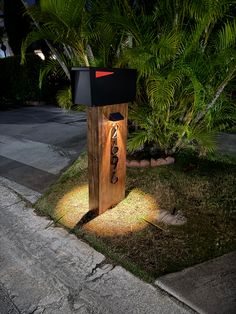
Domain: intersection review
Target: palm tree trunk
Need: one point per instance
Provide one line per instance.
(208, 107)
(216, 96)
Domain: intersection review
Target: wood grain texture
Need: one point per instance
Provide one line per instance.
(102, 193)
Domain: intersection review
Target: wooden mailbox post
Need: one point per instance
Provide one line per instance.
(106, 92)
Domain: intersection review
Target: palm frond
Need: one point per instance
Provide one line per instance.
(227, 36)
(137, 140)
(50, 66)
(67, 12)
(202, 139)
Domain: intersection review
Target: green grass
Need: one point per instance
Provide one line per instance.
(204, 190)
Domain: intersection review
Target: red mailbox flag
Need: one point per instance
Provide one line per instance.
(102, 73)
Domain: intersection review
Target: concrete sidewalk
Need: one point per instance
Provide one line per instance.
(209, 287)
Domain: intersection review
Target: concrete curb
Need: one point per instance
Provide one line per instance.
(26, 193)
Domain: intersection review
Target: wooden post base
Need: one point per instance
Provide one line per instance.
(106, 156)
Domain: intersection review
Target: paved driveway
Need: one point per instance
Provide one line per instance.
(36, 143)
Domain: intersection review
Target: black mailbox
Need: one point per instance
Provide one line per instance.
(94, 86)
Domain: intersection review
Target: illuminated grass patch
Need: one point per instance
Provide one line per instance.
(128, 216)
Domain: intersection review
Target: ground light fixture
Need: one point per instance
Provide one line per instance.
(106, 92)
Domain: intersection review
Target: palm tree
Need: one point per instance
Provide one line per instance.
(185, 55)
(76, 35)
(63, 24)
(184, 52)
(76, 32)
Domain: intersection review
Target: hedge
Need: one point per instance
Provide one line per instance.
(20, 83)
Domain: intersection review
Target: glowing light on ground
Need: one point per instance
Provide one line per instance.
(128, 216)
(72, 207)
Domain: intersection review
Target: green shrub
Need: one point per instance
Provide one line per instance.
(20, 83)
(64, 100)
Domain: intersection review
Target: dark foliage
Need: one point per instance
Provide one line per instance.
(17, 25)
(20, 83)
